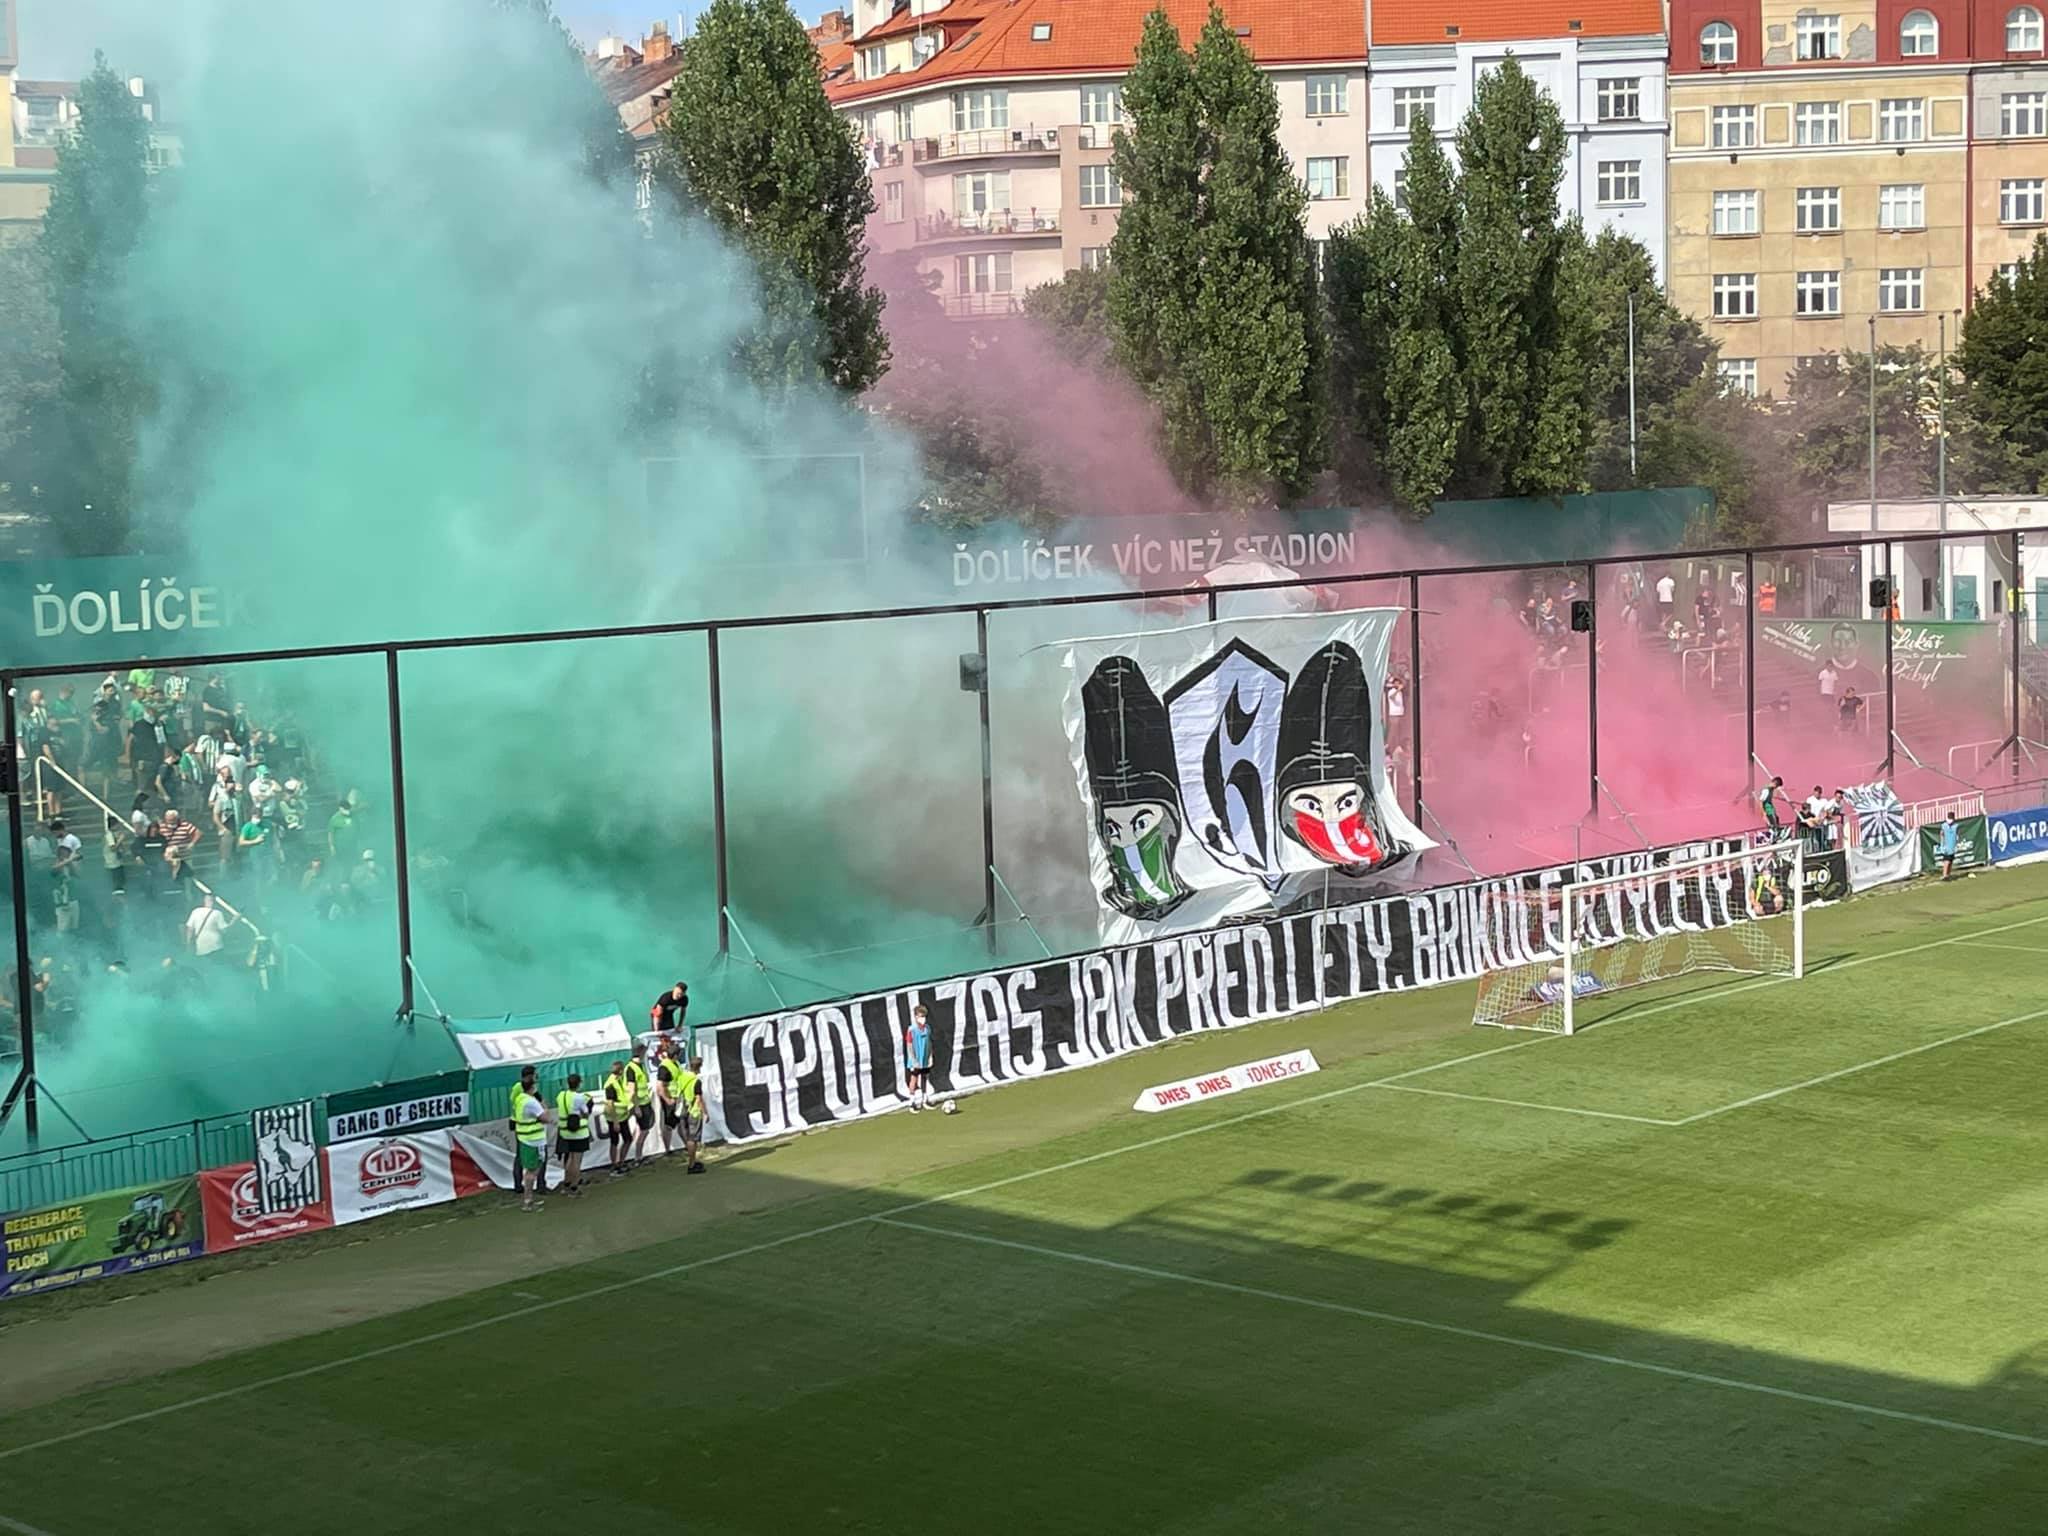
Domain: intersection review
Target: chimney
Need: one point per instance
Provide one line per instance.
(657, 46)
(610, 47)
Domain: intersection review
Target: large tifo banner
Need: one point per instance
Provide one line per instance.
(785, 1072)
(1236, 769)
(113, 1234)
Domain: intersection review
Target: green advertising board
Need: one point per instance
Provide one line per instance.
(1973, 845)
(399, 1109)
(55, 612)
(112, 1234)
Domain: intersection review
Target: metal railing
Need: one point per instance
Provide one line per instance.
(995, 221)
(984, 142)
(29, 1180)
(963, 306)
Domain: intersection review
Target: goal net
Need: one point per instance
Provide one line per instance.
(1742, 912)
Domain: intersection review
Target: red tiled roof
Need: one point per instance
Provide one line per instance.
(958, 14)
(1501, 21)
(1103, 35)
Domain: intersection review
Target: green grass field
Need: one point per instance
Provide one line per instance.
(1748, 1256)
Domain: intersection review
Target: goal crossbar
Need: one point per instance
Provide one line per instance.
(1741, 911)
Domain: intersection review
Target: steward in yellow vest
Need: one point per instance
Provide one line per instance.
(572, 1134)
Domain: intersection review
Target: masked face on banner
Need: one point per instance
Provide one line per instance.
(1233, 769)
(1130, 767)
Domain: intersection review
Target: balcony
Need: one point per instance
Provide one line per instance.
(985, 144)
(999, 223)
(982, 306)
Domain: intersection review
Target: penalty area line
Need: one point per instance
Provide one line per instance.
(1479, 1335)
(21, 1529)
(1556, 1109)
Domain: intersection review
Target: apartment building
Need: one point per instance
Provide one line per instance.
(1602, 62)
(24, 187)
(988, 126)
(1826, 185)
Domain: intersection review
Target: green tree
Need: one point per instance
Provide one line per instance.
(1525, 332)
(1827, 420)
(1672, 356)
(1075, 310)
(1212, 296)
(98, 205)
(752, 142)
(28, 374)
(2002, 361)
(1708, 436)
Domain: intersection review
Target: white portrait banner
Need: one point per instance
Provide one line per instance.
(1236, 769)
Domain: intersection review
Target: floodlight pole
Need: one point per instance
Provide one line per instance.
(717, 790)
(24, 963)
(398, 842)
(988, 789)
(1592, 697)
(1891, 692)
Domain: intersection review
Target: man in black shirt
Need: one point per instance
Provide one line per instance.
(669, 1008)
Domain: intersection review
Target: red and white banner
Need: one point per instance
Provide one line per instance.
(1214, 1085)
(234, 1215)
(378, 1175)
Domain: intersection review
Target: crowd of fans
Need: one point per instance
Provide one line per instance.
(177, 828)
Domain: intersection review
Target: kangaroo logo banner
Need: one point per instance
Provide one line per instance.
(1236, 769)
(287, 1157)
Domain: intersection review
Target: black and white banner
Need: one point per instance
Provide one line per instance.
(287, 1160)
(784, 1072)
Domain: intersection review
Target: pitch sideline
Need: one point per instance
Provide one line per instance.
(671, 1271)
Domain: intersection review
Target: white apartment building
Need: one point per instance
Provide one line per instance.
(1606, 73)
(989, 126)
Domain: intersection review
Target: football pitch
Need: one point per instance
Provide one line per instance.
(1747, 1255)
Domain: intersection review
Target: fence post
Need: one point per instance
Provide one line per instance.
(1891, 692)
(717, 789)
(988, 790)
(199, 1146)
(1592, 692)
(1749, 673)
(24, 963)
(399, 855)
(2016, 604)
(1415, 691)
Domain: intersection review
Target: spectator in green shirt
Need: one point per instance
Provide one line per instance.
(341, 835)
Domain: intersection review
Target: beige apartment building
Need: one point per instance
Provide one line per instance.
(1847, 174)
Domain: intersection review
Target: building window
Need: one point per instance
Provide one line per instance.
(903, 125)
(874, 61)
(986, 273)
(1738, 376)
(976, 110)
(1818, 210)
(1094, 258)
(2009, 270)
(1735, 296)
(1099, 187)
(1041, 31)
(1919, 36)
(1620, 99)
(1329, 176)
(1817, 122)
(1413, 102)
(2019, 202)
(1620, 181)
(1819, 37)
(1401, 187)
(2023, 30)
(1102, 104)
(1717, 43)
(1902, 207)
(1901, 290)
(977, 194)
(1734, 127)
(892, 202)
(1902, 120)
(2023, 114)
(1818, 293)
(1735, 213)
(1328, 95)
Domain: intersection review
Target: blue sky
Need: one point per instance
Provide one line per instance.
(150, 37)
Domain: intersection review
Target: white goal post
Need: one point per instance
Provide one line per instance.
(1743, 912)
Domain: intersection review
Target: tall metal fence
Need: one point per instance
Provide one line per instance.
(1712, 670)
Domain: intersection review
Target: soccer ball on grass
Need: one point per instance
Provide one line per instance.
(951, 1106)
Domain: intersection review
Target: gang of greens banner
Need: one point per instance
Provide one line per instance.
(1973, 845)
(112, 1234)
(391, 1109)
(785, 1072)
(1236, 769)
